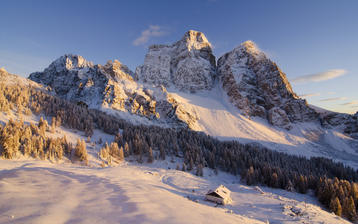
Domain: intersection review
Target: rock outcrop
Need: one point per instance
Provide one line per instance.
(348, 123)
(188, 64)
(110, 87)
(258, 87)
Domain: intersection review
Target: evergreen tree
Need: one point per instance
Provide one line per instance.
(349, 209)
(150, 155)
(121, 153)
(335, 206)
(80, 150)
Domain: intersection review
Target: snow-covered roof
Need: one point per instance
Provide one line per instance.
(222, 191)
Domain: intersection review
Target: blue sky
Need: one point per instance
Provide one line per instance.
(314, 42)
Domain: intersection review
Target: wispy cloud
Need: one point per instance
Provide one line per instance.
(354, 102)
(152, 31)
(309, 95)
(334, 99)
(319, 77)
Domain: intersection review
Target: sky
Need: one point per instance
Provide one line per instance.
(314, 42)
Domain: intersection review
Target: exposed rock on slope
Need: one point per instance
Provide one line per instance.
(258, 87)
(110, 86)
(187, 64)
(75, 79)
(347, 123)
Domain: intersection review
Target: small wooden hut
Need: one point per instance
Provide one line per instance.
(221, 195)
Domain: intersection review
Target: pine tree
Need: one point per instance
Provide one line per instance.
(161, 152)
(191, 164)
(335, 206)
(274, 180)
(126, 149)
(150, 155)
(80, 150)
(183, 167)
(199, 170)
(53, 125)
(42, 126)
(114, 150)
(121, 153)
(349, 209)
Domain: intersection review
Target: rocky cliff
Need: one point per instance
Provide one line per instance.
(258, 87)
(110, 87)
(188, 64)
(348, 123)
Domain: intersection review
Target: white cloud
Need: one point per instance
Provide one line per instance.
(322, 76)
(152, 31)
(354, 102)
(334, 99)
(309, 95)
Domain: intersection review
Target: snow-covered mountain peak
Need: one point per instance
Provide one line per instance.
(117, 70)
(195, 40)
(188, 64)
(69, 62)
(250, 47)
(258, 87)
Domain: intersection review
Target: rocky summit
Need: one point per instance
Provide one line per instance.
(188, 64)
(111, 87)
(258, 87)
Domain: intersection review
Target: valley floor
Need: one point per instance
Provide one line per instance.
(43, 192)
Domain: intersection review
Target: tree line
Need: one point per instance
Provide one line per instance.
(17, 138)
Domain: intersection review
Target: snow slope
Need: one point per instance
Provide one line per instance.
(41, 192)
(218, 117)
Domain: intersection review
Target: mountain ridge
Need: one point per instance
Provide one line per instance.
(253, 83)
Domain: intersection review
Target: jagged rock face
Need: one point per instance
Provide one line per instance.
(347, 122)
(188, 64)
(110, 86)
(75, 79)
(258, 87)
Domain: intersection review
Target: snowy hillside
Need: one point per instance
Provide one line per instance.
(218, 117)
(41, 192)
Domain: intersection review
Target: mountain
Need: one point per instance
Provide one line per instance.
(245, 97)
(188, 126)
(188, 64)
(111, 87)
(258, 87)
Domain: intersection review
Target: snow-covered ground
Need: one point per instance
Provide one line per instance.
(219, 118)
(42, 192)
(33, 191)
